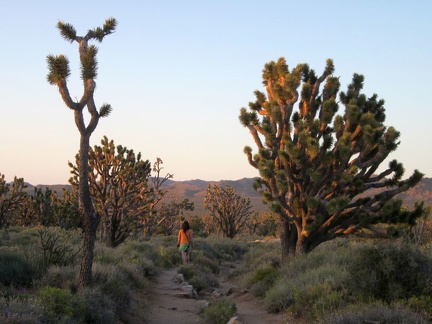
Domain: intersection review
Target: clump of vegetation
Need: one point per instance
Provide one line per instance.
(15, 269)
(219, 312)
(389, 272)
(374, 313)
(261, 280)
(339, 274)
(58, 304)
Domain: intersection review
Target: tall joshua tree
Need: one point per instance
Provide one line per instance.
(320, 170)
(58, 73)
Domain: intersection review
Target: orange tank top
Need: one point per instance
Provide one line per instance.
(183, 237)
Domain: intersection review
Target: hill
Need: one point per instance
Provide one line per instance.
(195, 190)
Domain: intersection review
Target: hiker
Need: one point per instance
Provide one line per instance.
(185, 241)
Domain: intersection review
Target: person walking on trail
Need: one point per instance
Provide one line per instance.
(185, 241)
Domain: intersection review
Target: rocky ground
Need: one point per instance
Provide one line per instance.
(172, 301)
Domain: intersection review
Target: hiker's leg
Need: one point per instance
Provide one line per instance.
(184, 257)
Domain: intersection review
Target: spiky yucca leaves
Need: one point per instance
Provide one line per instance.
(58, 69)
(318, 169)
(105, 110)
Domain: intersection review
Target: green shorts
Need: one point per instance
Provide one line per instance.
(185, 247)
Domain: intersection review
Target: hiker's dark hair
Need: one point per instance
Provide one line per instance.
(185, 226)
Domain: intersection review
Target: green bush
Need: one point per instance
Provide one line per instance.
(168, 256)
(389, 272)
(261, 280)
(97, 307)
(58, 246)
(419, 304)
(374, 313)
(203, 280)
(60, 277)
(20, 309)
(146, 268)
(265, 274)
(219, 312)
(188, 270)
(310, 285)
(228, 249)
(58, 304)
(139, 250)
(15, 269)
(120, 293)
(279, 297)
(204, 262)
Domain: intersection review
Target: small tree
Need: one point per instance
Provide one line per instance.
(58, 74)
(42, 203)
(66, 210)
(119, 187)
(229, 210)
(169, 214)
(11, 197)
(319, 170)
(151, 222)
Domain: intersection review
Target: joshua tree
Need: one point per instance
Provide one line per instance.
(119, 188)
(58, 73)
(12, 196)
(229, 211)
(318, 170)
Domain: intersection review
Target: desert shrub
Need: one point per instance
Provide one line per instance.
(311, 285)
(117, 291)
(389, 272)
(314, 301)
(136, 249)
(59, 277)
(15, 269)
(58, 246)
(59, 305)
(146, 268)
(203, 280)
(265, 274)
(168, 256)
(199, 277)
(419, 304)
(20, 309)
(188, 270)
(22, 236)
(260, 280)
(279, 297)
(199, 281)
(228, 249)
(203, 261)
(131, 275)
(219, 312)
(117, 283)
(96, 307)
(374, 313)
(107, 256)
(261, 254)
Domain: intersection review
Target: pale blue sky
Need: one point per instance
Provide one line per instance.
(178, 72)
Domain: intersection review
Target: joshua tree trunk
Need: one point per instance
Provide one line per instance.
(91, 218)
(288, 238)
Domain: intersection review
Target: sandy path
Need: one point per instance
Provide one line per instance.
(169, 305)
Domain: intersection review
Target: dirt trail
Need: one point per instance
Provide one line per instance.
(168, 304)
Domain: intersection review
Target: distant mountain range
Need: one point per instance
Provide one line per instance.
(195, 190)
